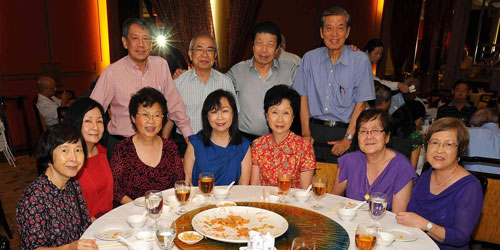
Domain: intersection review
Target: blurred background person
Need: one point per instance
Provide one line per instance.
(382, 97)
(286, 56)
(375, 168)
(52, 211)
(219, 148)
(459, 107)
(447, 200)
(145, 161)
(282, 149)
(95, 177)
(47, 103)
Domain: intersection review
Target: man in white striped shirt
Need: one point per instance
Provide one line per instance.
(196, 84)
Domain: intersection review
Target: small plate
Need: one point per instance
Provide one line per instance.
(190, 242)
(402, 234)
(226, 204)
(112, 232)
(141, 201)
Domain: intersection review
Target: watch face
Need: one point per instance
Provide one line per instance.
(349, 136)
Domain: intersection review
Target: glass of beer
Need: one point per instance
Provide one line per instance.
(284, 184)
(303, 243)
(366, 236)
(154, 204)
(206, 184)
(319, 190)
(182, 193)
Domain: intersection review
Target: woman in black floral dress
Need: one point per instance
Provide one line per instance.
(52, 213)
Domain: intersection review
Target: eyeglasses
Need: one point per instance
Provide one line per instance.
(373, 132)
(446, 145)
(147, 116)
(201, 50)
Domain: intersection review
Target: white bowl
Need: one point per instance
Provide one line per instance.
(172, 201)
(143, 235)
(142, 245)
(273, 198)
(302, 196)
(346, 214)
(220, 193)
(385, 239)
(190, 242)
(136, 221)
(198, 199)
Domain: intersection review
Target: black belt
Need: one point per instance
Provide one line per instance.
(118, 137)
(332, 124)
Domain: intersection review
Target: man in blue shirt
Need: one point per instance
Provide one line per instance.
(334, 83)
(484, 140)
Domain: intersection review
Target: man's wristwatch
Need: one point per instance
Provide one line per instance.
(349, 136)
(428, 227)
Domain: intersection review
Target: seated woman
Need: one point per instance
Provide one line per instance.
(405, 137)
(145, 161)
(95, 177)
(282, 149)
(375, 168)
(51, 212)
(447, 200)
(219, 148)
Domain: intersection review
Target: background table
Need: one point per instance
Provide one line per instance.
(119, 215)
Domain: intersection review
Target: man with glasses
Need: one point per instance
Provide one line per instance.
(133, 72)
(196, 84)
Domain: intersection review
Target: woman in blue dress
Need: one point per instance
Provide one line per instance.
(219, 148)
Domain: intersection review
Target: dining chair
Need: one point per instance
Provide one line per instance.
(39, 118)
(328, 170)
(4, 146)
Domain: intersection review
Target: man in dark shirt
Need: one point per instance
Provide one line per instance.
(459, 107)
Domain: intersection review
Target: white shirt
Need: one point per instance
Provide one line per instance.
(48, 108)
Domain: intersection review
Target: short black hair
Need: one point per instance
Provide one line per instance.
(402, 124)
(77, 110)
(372, 114)
(461, 82)
(147, 97)
(276, 94)
(53, 137)
(336, 11)
(213, 101)
(382, 94)
(267, 27)
(141, 22)
(372, 44)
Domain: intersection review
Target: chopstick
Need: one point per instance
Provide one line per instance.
(118, 244)
(264, 194)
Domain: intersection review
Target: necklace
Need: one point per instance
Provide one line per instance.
(440, 185)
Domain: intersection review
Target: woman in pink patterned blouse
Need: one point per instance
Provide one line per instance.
(282, 149)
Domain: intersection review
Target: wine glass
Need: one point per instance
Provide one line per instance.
(154, 204)
(284, 184)
(319, 190)
(182, 193)
(378, 205)
(206, 184)
(166, 230)
(365, 236)
(303, 243)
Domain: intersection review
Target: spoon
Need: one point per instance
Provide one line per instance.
(229, 187)
(144, 214)
(358, 206)
(309, 188)
(128, 243)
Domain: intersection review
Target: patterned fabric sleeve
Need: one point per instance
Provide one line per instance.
(308, 160)
(416, 140)
(116, 164)
(32, 221)
(255, 154)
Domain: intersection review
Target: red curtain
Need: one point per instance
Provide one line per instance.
(242, 15)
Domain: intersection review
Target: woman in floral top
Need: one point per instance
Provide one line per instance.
(52, 213)
(282, 149)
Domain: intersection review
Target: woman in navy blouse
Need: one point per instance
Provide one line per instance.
(447, 200)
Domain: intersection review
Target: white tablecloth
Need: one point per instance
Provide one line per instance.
(119, 215)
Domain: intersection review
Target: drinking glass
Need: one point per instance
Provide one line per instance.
(206, 184)
(284, 184)
(303, 243)
(182, 193)
(319, 189)
(166, 230)
(154, 205)
(378, 205)
(366, 236)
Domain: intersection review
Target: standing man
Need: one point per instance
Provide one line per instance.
(196, 84)
(334, 83)
(286, 56)
(47, 103)
(459, 107)
(252, 78)
(133, 72)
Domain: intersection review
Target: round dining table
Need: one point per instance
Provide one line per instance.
(246, 194)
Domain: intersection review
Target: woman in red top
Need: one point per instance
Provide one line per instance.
(95, 177)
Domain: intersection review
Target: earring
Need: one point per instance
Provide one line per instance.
(458, 159)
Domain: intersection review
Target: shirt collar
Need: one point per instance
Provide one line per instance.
(275, 67)
(194, 76)
(343, 59)
(452, 103)
(133, 66)
(491, 125)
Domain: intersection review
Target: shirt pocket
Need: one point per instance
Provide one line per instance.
(342, 96)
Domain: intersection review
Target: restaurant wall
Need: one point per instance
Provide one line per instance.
(71, 28)
(299, 21)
